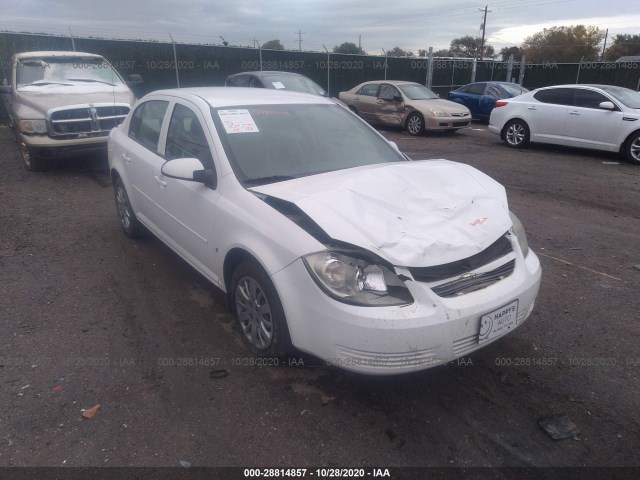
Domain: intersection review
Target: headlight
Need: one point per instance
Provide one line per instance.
(356, 281)
(438, 113)
(33, 126)
(518, 231)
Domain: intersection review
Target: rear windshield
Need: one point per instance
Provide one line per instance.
(513, 89)
(292, 82)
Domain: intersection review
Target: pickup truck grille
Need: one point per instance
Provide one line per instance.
(80, 121)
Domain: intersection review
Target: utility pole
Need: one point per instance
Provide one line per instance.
(605, 45)
(73, 42)
(484, 29)
(300, 40)
(359, 44)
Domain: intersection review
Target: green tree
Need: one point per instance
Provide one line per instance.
(563, 44)
(623, 45)
(442, 53)
(349, 47)
(273, 45)
(469, 47)
(398, 52)
(516, 51)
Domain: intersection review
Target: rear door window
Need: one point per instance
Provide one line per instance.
(369, 90)
(476, 88)
(146, 123)
(557, 96)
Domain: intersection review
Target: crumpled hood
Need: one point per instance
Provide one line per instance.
(44, 97)
(414, 214)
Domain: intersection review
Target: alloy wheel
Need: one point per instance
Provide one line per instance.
(254, 313)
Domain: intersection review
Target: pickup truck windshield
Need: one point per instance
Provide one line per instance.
(65, 71)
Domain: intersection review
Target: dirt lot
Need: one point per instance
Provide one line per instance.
(88, 316)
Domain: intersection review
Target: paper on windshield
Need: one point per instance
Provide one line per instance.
(237, 121)
(278, 85)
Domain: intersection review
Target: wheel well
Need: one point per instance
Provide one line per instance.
(508, 122)
(114, 175)
(231, 261)
(406, 119)
(624, 144)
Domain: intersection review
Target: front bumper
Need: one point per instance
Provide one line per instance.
(46, 146)
(447, 123)
(390, 340)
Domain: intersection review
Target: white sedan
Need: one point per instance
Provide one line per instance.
(323, 235)
(601, 117)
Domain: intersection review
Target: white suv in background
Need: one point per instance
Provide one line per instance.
(600, 117)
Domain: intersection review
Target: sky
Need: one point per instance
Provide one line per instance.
(408, 24)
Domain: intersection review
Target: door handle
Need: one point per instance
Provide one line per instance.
(126, 157)
(532, 108)
(160, 181)
(574, 113)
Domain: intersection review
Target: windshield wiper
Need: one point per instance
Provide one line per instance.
(90, 80)
(43, 82)
(266, 180)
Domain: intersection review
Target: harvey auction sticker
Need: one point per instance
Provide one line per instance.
(237, 121)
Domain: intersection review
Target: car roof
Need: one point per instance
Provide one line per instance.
(267, 72)
(218, 97)
(53, 53)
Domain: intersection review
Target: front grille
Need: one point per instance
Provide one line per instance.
(499, 248)
(459, 114)
(359, 358)
(475, 281)
(86, 120)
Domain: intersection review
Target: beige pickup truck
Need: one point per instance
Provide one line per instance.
(63, 102)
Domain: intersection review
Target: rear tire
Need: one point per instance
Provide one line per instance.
(258, 312)
(516, 134)
(130, 224)
(632, 148)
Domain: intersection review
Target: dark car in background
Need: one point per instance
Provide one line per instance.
(275, 80)
(481, 97)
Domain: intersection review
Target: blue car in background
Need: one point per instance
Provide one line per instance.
(481, 97)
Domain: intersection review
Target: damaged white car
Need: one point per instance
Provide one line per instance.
(324, 236)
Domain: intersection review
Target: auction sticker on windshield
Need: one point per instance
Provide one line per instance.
(498, 322)
(237, 121)
(278, 85)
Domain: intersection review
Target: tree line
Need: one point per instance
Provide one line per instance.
(556, 44)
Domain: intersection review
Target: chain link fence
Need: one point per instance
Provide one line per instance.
(209, 65)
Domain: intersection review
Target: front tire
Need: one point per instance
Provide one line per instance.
(415, 124)
(516, 134)
(30, 159)
(633, 148)
(258, 312)
(130, 224)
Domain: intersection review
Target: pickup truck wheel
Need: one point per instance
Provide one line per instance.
(130, 224)
(633, 148)
(32, 162)
(258, 312)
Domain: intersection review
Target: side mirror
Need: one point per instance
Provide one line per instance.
(607, 106)
(397, 98)
(134, 79)
(5, 89)
(191, 170)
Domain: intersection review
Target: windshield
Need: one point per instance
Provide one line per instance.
(65, 71)
(625, 96)
(513, 89)
(269, 143)
(292, 82)
(417, 92)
